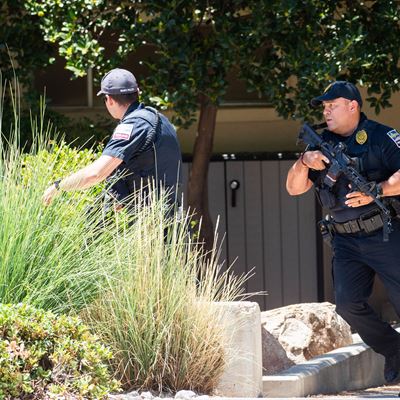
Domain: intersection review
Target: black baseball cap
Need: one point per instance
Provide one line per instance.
(118, 81)
(338, 89)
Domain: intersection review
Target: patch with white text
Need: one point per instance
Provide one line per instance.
(395, 136)
(122, 132)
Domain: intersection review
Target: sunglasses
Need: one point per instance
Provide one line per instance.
(105, 99)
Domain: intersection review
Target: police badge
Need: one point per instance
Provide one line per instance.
(361, 137)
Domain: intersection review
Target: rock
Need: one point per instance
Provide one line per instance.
(299, 332)
(127, 396)
(185, 394)
(146, 395)
(273, 354)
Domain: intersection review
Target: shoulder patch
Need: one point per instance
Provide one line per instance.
(395, 136)
(122, 132)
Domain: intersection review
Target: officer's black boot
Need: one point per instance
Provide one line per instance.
(392, 368)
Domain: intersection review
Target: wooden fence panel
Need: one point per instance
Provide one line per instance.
(254, 233)
(236, 239)
(273, 280)
(307, 247)
(217, 204)
(266, 229)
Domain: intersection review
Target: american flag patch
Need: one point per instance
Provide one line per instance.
(122, 132)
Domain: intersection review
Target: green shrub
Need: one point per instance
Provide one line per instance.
(44, 355)
(82, 132)
(61, 160)
(46, 258)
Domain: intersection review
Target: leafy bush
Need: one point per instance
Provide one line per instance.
(61, 160)
(47, 356)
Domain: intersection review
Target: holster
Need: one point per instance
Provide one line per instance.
(326, 228)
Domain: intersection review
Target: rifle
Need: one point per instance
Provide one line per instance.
(341, 164)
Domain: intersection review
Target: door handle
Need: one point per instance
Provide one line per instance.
(234, 185)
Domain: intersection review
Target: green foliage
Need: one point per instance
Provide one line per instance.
(44, 355)
(81, 132)
(137, 278)
(22, 46)
(62, 160)
(46, 257)
(23, 50)
(285, 50)
(321, 41)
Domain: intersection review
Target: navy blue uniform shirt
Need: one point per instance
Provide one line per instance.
(160, 159)
(379, 158)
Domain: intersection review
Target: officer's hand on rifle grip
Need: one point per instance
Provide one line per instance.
(314, 160)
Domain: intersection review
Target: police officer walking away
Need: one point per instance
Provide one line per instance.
(143, 146)
(356, 223)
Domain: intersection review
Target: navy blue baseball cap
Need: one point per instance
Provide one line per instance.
(338, 89)
(118, 81)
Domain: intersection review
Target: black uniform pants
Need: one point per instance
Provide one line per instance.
(356, 260)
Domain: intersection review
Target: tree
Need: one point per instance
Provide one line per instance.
(22, 47)
(286, 50)
(22, 51)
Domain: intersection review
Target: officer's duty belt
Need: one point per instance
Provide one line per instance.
(366, 224)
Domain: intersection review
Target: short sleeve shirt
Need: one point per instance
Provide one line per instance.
(377, 146)
(128, 137)
(160, 159)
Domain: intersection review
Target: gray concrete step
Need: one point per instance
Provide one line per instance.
(351, 369)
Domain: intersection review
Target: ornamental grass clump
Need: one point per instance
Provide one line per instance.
(157, 312)
(46, 356)
(45, 257)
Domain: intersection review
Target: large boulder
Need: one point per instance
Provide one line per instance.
(299, 332)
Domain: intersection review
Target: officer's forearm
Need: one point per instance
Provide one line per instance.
(81, 179)
(91, 174)
(297, 180)
(391, 187)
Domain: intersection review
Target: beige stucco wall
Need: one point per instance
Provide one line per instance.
(261, 129)
(247, 129)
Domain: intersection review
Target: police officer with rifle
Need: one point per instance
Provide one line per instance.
(354, 165)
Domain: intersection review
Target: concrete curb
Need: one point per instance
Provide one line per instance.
(348, 368)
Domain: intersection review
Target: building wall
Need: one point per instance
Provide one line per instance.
(244, 124)
(260, 129)
(247, 128)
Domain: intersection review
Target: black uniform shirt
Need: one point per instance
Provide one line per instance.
(378, 149)
(161, 160)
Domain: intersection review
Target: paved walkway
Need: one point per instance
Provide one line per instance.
(381, 392)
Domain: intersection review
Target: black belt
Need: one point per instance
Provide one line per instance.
(366, 224)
